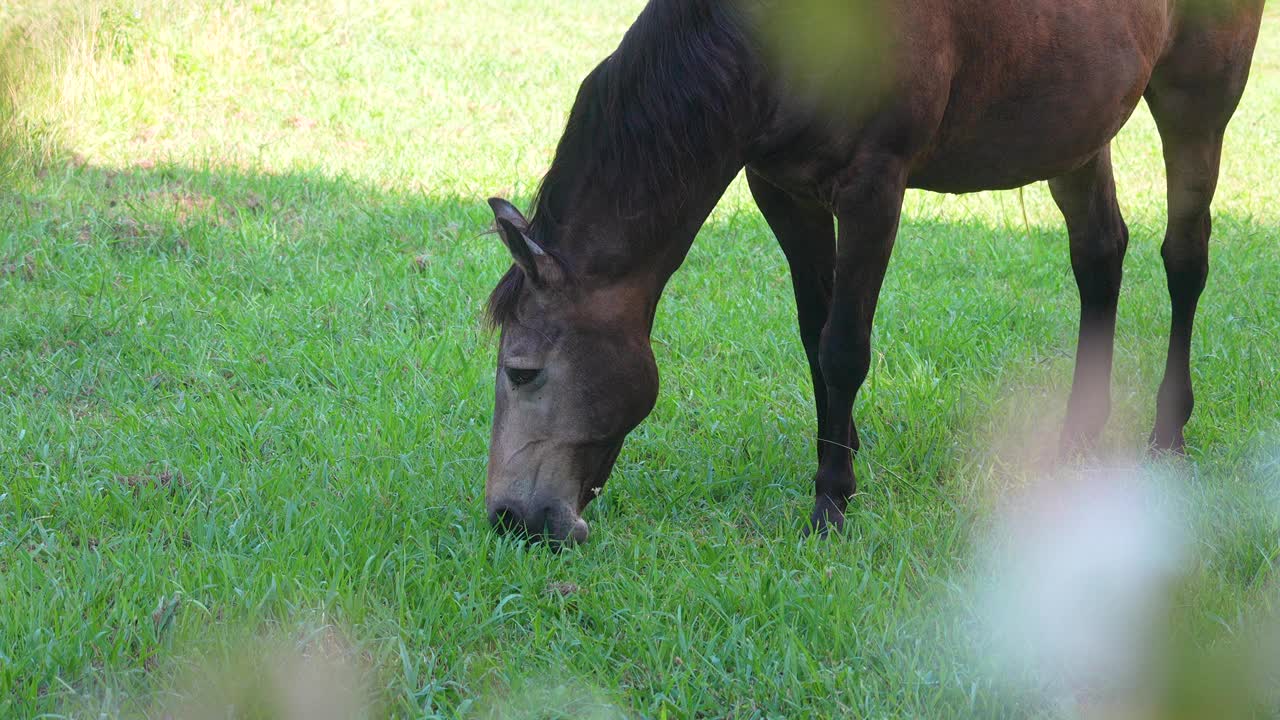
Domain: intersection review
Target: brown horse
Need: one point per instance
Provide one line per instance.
(956, 97)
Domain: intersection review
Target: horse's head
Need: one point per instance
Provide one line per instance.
(575, 375)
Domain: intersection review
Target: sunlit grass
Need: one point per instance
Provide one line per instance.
(243, 384)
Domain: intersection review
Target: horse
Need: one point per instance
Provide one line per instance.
(953, 97)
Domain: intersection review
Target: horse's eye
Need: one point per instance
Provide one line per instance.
(522, 376)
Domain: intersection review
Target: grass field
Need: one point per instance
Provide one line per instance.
(245, 392)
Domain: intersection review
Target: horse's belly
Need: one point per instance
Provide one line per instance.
(1034, 141)
(1003, 164)
(1043, 100)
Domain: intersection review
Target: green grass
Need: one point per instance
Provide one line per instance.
(245, 391)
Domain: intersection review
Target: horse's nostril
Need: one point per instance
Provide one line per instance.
(505, 519)
(509, 519)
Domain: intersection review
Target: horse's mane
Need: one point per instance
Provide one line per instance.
(643, 114)
(641, 119)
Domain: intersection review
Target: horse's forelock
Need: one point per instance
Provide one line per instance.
(504, 298)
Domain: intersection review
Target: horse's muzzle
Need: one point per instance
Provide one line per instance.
(553, 522)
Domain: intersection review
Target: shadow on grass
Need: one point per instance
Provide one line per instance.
(182, 335)
(76, 223)
(177, 278)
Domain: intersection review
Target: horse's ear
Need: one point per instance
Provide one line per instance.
(537, 264)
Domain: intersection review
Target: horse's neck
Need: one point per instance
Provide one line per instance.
(613, 236)
(697, 202)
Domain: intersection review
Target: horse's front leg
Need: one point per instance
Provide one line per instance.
(868, 211)
(807, 234)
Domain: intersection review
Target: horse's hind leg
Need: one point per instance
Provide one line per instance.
(807, 235)
(1192, 163)
(1192, 96)
(1087, 198)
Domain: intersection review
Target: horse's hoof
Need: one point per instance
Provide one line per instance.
(827, 518)
(1166, 443)
(1077, 444)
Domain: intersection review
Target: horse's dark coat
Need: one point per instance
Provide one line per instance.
(958, 97)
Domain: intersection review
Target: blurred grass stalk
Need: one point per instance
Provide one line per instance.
(833, 54)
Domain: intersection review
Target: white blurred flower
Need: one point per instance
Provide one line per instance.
(1077, 577)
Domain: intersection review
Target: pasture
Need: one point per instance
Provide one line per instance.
(245, 389)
